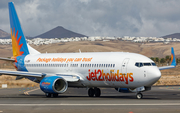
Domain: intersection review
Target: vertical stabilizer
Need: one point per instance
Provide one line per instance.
(19, 44)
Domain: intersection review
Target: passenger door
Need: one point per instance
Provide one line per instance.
(124, 66)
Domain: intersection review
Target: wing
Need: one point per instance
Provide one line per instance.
(166, 67)
(173, 61)
(21, 74)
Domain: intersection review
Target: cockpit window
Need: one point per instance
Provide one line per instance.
(139, 64)
(147, 64)
(153, 64)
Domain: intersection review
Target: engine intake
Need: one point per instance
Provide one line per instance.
(53, 84)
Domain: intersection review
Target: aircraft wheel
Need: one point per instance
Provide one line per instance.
(97, 92)
(91, 92)
(139, 95)
(48, 94)
(55, 95)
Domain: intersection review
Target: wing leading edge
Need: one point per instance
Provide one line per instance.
(173, 61)
(21, 74)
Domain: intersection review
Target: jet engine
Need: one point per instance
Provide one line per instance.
(53, 84)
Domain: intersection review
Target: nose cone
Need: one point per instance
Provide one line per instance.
(154, 76)
(157, 74)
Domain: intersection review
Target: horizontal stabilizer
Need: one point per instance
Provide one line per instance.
(7, 59)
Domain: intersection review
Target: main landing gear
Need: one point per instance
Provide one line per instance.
(50, 94)
(95, 91)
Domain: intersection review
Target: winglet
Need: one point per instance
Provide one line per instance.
(173, 59)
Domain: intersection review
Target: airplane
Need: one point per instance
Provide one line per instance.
(55, 72)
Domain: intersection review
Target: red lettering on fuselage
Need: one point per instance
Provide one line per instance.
(99, 75)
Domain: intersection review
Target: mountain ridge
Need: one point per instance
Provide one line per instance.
(174, 35)
(4, 34)
(59, 32)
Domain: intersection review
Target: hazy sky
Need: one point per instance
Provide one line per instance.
(96, 17)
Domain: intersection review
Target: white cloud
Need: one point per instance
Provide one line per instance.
(85, 1)
(96, 17)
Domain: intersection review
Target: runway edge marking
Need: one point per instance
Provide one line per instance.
(161, 104)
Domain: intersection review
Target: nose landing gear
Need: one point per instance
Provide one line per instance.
(139, 95)
(95, 91)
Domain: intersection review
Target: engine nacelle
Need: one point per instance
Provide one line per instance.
(53, 84)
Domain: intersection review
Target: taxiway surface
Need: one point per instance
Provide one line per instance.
(31, 100)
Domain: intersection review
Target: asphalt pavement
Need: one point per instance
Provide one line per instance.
(164, 99)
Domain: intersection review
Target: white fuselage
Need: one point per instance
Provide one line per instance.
(106, 69)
